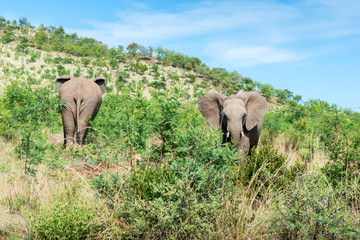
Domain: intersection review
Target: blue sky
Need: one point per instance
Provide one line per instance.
(310, 47)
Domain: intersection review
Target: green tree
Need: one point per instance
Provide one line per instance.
(2, 21)
(24, 43)
(266, 90)
(41, 38)
(24, 22)
(133, 48)
(248, 84)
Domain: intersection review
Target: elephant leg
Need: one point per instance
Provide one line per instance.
(69, 128)
(82, 130)
(254, 139)
(87, 115)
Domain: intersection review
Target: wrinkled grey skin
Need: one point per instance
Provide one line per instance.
(82, 99)
(240, 117)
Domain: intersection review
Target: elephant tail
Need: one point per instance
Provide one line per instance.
(78, 102)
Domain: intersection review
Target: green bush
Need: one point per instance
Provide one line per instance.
(22, 46)
(174, 76)
(34, 56)
(113, 63)
(180, 215)
(158, 85)
(7, 37)
(64, 220)
(66, 60)
(265, 170)
(62, 71)
(85, 61)
(146, 181)
(313, 209)
(340, 135)
(122, 76)
(155, 67)
(27, 111)
(191, 77)
(123, 118)
(100, 63)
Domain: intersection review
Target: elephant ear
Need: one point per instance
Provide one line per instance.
(101, 82)
(256, 106)
(210, 106)
(60, 81)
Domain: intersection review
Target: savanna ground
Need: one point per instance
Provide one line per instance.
(152, 168)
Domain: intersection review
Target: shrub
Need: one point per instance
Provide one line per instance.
(85, 61)
(122, 76)
(22, 46)
(113, 63)
(62, 71)
(41, 38)
(191, 77)
(64, 220)
(66, 60)
(340, 135)
(100, 63)
(7, 37)
(158, 85)
(146, 181)
(27, 110)
(34, 56)
(313, 209)
(155, 67)
(265, 170)
(174, 76)
(181, 215)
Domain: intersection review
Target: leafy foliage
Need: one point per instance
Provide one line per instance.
(313, 209)
(155, 167)
(65, 220)
(266, 170)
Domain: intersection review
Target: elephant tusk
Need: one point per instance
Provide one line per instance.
(242, 133)
(227, 135)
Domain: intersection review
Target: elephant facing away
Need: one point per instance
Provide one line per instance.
(82, 99)
(240, 117)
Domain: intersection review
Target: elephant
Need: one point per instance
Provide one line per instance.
(81, 100)
(240, 117)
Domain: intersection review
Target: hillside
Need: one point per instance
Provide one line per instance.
(152, 168)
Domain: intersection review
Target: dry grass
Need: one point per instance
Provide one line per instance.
(21, 194)
(315, 154)
(11, 224)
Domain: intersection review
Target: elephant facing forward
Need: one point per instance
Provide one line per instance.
(82, 99)
(240, 117)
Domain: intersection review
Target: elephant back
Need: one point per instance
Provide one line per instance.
(80, 88)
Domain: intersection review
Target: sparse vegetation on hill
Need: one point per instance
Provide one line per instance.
(152, 168)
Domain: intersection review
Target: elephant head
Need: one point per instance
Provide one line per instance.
(82, 99)
(240, 117)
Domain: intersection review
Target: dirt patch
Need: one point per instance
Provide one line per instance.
(89, 170)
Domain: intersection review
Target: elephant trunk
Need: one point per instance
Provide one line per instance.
(237, 140)
(237, 133)
(242, 142)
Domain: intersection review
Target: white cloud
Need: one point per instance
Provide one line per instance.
(202, 19)
(248, 56)
(246, 33)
